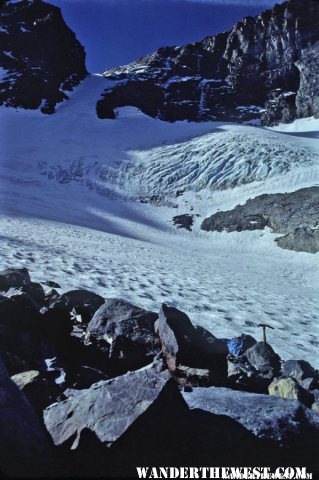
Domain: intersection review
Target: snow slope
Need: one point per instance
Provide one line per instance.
(68, 189)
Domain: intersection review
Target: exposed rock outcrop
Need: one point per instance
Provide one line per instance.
(307, 100)
(294, 214)
(301, 239)
(261, 68)
(40, 56)
(184, 221)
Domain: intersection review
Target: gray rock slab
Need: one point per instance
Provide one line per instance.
(108, 408)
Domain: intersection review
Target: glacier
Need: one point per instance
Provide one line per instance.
(70, 194)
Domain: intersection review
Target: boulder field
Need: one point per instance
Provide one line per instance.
(96, 387)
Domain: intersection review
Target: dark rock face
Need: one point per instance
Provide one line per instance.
(261, 68)
(24, 446)
(30, 308)
(234, 222)
(295, 214)
(40, 54)
(125, 333)
(307, 101)
(280, 106)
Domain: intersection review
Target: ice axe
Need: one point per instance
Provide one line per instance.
(264, 326)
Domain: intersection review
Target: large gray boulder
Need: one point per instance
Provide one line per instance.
(108, 408)
(24, 446)
(298, 369)
(263, 358)
(81, 302)
(73, 309)
(125, 333)
(286, 423)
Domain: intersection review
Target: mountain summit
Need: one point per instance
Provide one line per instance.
(264, 67)
(40, 58)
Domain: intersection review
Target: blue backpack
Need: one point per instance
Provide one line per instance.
(238, 345)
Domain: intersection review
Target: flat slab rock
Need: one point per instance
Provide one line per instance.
(266, 417)
(108, 408)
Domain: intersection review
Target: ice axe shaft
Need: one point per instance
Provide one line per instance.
(264, 326)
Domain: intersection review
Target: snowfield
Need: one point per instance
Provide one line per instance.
(69, 185)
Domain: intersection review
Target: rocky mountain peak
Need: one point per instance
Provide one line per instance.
(40, 59)
(261, 68)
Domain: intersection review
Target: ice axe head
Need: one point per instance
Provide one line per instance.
(264, 326)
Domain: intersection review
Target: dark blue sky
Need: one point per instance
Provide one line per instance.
(115, 32)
